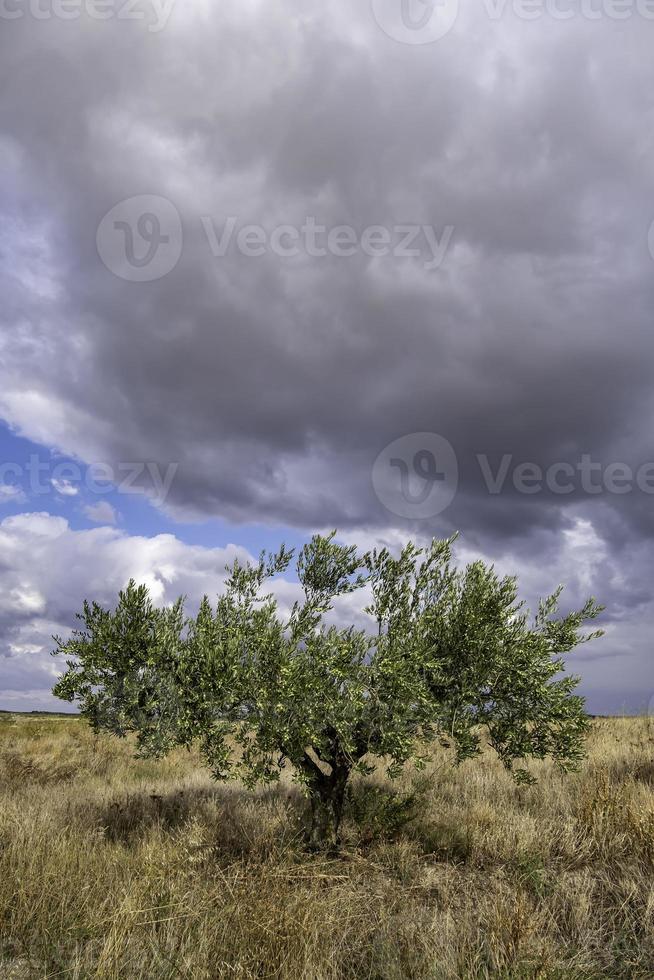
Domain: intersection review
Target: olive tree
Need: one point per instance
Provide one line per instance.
(445, 654)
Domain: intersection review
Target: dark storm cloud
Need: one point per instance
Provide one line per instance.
(274, 382)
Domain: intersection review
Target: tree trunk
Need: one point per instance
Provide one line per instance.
(327, 797)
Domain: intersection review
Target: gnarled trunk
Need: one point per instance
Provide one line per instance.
(327, 797)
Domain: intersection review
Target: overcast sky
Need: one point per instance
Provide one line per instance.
(285, 266)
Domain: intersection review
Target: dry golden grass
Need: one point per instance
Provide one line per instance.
(111, 867)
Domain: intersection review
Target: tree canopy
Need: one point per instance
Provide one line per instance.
(438, 653)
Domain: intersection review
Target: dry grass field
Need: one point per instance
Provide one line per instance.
(111, 867)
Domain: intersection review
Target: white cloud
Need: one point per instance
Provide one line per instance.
(101, 513)
(11, 494)
(65, 487)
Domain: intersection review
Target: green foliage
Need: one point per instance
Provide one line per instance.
(122, 669)
(449, 654)
(380, 812)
